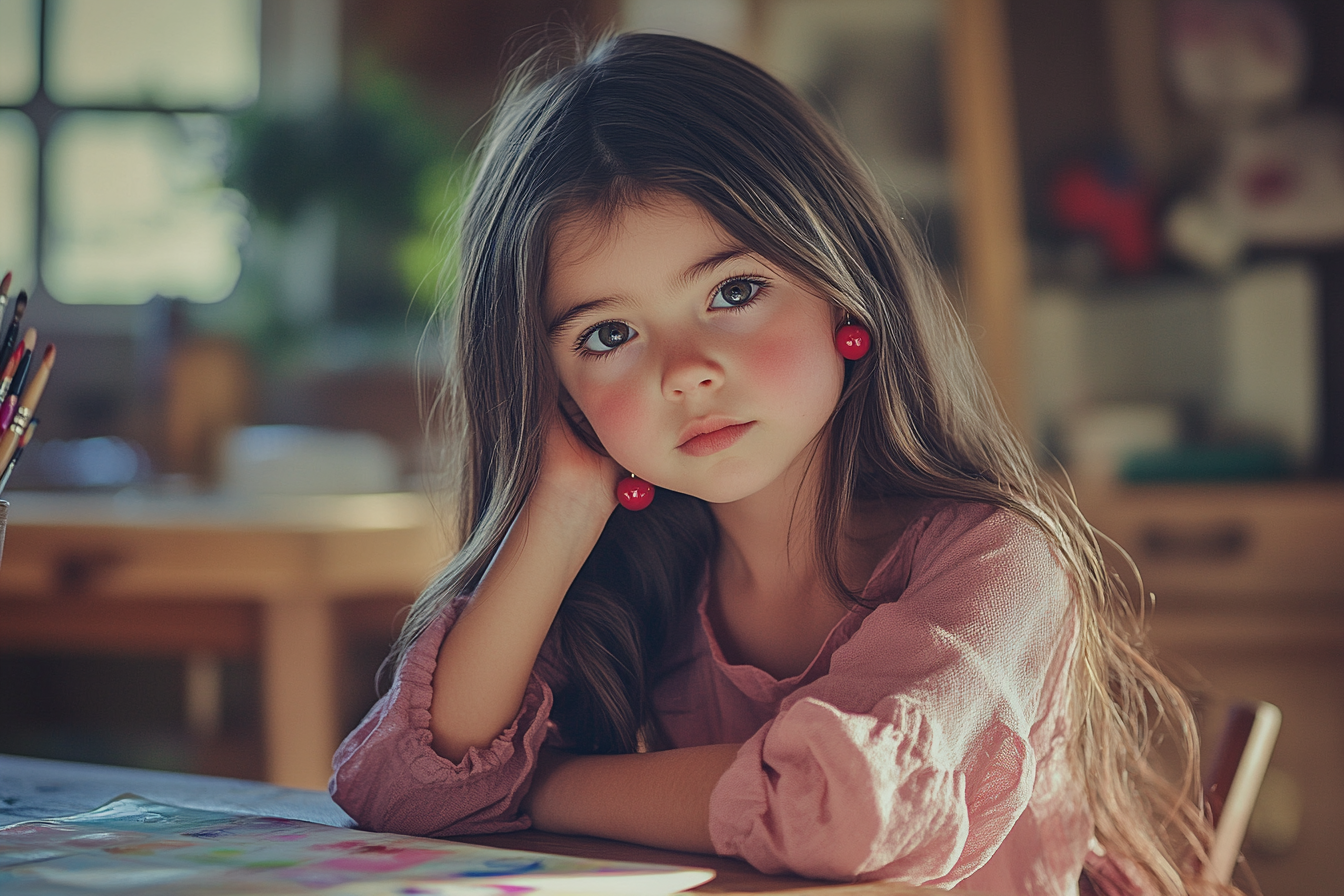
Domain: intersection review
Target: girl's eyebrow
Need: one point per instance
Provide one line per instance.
(560, 321)
(708, 264)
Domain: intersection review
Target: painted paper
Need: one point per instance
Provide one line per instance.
(132, 845)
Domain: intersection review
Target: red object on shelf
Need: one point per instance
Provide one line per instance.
(1117, 209)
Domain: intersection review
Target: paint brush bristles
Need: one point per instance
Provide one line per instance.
(32, 392)
(11, 379)
(12, 364)
(12, 334)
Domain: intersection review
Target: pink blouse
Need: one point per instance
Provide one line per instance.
(926, 742)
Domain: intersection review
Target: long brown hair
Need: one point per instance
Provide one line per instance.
(638, 115)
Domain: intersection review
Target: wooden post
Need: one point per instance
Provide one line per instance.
(987, 183)
(299, 687)
(1134, 33)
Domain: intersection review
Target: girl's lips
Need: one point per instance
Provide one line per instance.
(712, 442)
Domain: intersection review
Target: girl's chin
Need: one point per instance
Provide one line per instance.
(728, 491)
(730, 480)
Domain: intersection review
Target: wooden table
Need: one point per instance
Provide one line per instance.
(211, 576)
(42, 788)
(730, 875)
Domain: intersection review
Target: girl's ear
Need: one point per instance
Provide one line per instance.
(579, 423)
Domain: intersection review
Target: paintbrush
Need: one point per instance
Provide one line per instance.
(7, 374)
(32, 394)
(11, 379)
(12, 334)
(10, 406)
(23, 443)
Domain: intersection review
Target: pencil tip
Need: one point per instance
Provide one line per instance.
(49, 353)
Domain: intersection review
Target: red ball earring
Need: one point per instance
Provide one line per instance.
(634, 493)
(852, 340)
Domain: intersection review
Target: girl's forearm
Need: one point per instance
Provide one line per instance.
(657, 799)
(487, 657)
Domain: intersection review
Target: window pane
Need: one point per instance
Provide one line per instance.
(18, 51)
(135, 209)
(163, 53)
(18, 177)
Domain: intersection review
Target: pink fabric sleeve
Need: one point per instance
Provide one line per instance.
(389, 778)
(911, 758)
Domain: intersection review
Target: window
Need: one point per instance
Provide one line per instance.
(113, 142)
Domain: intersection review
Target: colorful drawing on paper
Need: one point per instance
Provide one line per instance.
(132, 845)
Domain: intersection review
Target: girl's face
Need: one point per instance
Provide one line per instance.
(701, 367)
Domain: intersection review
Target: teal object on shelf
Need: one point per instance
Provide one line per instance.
(1207, 463)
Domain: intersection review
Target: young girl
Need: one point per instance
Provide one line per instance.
(856, 634)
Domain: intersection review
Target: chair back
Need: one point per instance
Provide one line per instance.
(1233, 779)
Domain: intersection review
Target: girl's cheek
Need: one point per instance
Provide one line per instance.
(796, 361)
(607, 390)
(616, 415)
(775, 357)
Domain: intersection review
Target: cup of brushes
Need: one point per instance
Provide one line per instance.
(21, 389)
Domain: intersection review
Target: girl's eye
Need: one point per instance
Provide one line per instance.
(735, 293)
(605, 337)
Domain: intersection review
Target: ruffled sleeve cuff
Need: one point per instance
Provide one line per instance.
(845, 796)
(388, 776)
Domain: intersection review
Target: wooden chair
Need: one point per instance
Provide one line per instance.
(1230, 785)
(1232, 781)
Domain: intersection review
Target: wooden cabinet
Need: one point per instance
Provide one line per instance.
(1274, 546)
(1248, 584)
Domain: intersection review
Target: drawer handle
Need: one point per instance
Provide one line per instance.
(77, 572)
(1220, 541)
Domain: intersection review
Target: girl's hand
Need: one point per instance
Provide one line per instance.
(486, 658)
(575, 472)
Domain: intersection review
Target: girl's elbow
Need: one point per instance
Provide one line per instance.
(858, 848)
(842, 858)
(913, 847)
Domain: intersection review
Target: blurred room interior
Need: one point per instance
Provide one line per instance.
(231, 215)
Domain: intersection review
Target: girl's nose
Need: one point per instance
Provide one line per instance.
(686, 373)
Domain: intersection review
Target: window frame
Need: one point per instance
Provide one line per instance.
(43, 112)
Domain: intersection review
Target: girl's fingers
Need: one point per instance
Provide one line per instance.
(580, 425)
(572, 464)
